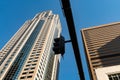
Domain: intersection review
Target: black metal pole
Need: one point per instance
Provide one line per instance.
(67, 41)
(69, 18)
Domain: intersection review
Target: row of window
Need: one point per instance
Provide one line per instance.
(34, 55)
(114, 76)
(23, 53)
(44, 59)
(50, 61)
(10, 44)
(37, 52)
(13, 40)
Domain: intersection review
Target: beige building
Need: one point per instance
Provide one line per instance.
(102, 48)
(28, 55)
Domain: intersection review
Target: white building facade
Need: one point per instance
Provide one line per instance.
(28, 55)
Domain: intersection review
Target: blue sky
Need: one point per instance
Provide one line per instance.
(87, 13)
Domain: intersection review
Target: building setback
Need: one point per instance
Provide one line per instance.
(102, 48)
(28, 55)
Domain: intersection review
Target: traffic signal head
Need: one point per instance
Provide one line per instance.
(59, 45)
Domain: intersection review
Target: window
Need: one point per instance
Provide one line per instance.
(29, 76)
(37, 75)
(31, 72)
(32, 68)
(32, 55)
(26, 69)
(24, 73)
(35, 78)
(30, 58)
(114, 76)
(35, 61)
(2, 71)
(38, 70)
(29, 61)
(41, 76)
(36, 57)
(33, 64)
(27, 65)
(37, 54)
(22, 78)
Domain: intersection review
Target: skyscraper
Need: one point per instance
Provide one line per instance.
(28, 55)
(102, 48)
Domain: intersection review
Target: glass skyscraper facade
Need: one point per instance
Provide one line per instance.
(29, 54)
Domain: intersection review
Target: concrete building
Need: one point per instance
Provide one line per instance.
(28, 55)
(102, 48)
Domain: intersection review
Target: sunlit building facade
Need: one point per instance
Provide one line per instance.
(28, 55)
(102, 48)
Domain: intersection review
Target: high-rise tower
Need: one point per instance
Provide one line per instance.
(28, 55)
(102, 48)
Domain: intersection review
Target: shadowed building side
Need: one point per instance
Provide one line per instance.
(102, 48)
(109, 54)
